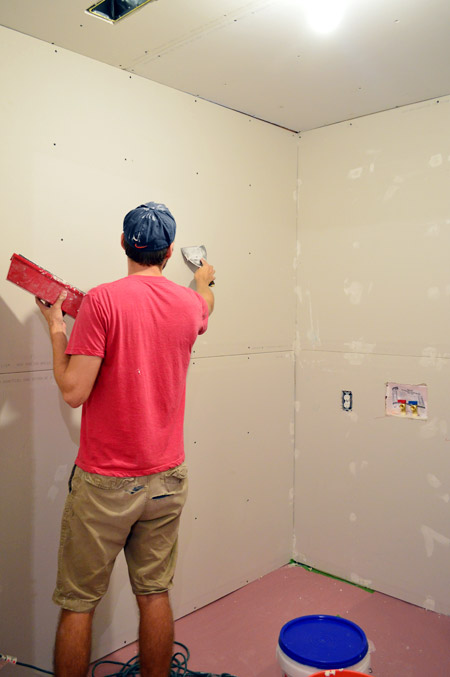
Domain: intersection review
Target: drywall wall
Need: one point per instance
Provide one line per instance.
(372, 492)
(82, 143)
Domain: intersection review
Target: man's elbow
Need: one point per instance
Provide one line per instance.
(72, 401)
(74, 398)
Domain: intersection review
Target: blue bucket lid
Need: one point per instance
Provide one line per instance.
(324, 642)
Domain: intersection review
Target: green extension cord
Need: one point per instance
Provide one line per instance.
(178, 666)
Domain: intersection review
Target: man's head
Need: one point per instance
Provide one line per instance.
(148, 231)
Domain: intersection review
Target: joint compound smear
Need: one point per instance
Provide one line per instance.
(354, 290)
(431, 537)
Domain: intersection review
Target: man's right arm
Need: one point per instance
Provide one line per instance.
(203, 278)
(74, 374)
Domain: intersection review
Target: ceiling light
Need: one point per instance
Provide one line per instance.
(114, 10)
(325, 16)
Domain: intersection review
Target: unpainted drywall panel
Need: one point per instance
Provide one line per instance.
(372, 492)
(373, 291)
(82, 143)
(39, 438)
(237, 524)
(374, 233)
(239, 444)
(117, 44)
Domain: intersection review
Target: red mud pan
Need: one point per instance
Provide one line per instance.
(43, 284)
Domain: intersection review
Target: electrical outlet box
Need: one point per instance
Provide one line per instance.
(347, 400)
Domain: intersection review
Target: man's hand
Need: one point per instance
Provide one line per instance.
(204, 277)
(205, 274)
(53, 314)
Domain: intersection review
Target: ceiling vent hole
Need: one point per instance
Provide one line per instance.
(115, 10)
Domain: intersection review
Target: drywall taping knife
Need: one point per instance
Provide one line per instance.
(194, 255)
(43, 284)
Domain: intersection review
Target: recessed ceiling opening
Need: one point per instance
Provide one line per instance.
(115, 10)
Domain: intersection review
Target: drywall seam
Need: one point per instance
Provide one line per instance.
(444, 357)
(297, 347)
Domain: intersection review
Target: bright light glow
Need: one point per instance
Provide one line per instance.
(325, 16)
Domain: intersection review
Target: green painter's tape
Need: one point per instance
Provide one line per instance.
(324, 573)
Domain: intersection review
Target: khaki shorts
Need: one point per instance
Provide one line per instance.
(101, 516)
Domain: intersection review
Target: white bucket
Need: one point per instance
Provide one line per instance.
(311, 644)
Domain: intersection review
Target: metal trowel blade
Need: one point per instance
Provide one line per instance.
(194, 255)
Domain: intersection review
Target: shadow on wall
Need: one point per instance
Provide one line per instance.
(17, 463)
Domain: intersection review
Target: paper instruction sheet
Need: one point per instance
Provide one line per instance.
(407, 401)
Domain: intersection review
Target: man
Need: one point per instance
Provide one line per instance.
(126, 363)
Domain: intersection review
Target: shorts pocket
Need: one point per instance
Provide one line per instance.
(71, 478)
(176, 477)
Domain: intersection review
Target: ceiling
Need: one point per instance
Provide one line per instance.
(263, 57)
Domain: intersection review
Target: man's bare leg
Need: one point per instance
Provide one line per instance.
(156, 634)
(73, 644)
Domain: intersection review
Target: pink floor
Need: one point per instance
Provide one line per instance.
(238, 634)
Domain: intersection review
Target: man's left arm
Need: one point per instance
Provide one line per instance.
(74, 374)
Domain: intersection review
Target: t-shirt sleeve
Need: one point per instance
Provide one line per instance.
(88, 335)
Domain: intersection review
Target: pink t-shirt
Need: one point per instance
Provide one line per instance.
(144, 328)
